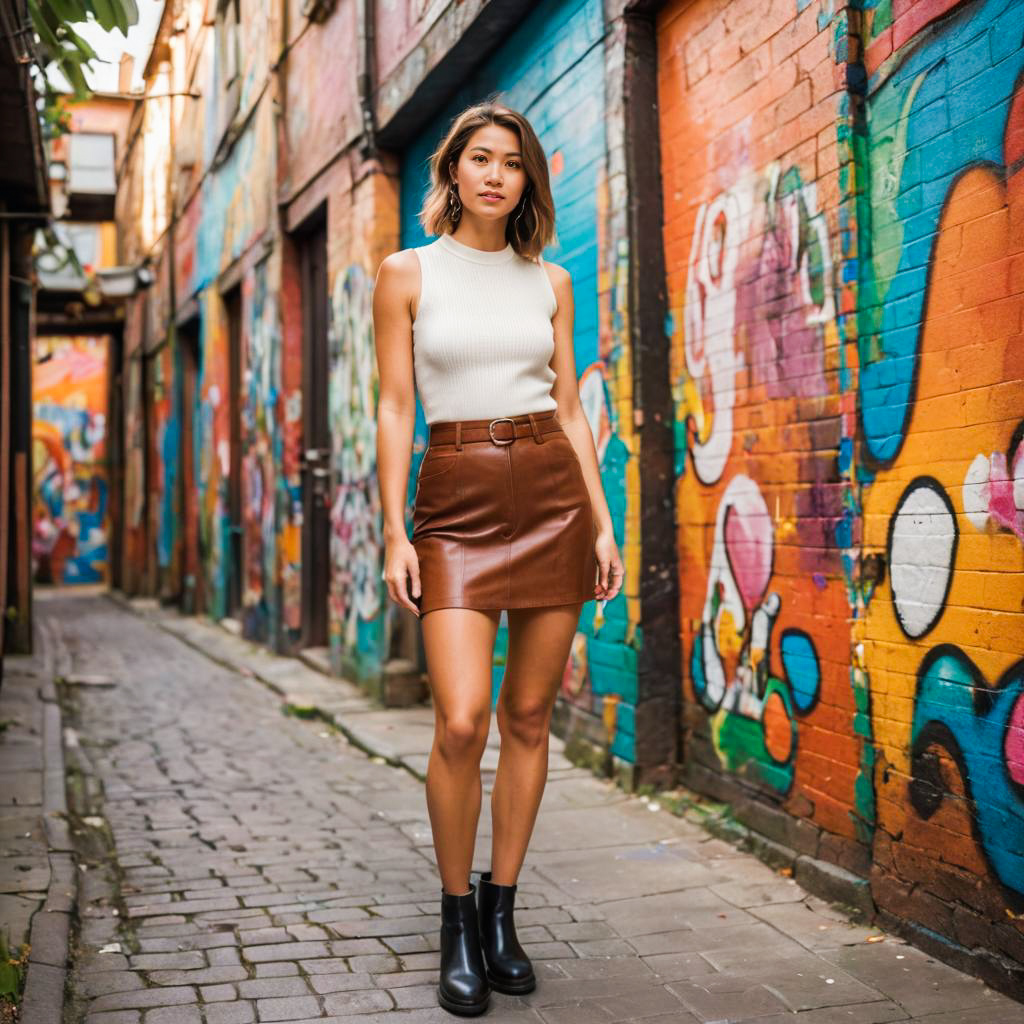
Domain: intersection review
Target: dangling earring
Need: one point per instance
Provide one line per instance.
(515, 223)
(454, 202)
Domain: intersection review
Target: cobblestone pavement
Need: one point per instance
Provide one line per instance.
(241, 864)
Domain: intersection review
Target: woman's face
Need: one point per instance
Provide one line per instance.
(491, 164)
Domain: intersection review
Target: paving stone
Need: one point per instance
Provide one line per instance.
(278, 968)
(218, 993)
(364, 1001)
(101, 982)
(882, 1012)
(919, 983)
(343, 982)
(241, 1012)
(176, 996)
(413, 997)
(730, 998)
(287, 1008)
(813, 923)
(582, 1012)
(270, 987)
(173, 1015)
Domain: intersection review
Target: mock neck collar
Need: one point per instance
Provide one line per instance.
(467, 252)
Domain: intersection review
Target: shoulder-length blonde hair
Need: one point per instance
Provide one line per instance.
(531, 226)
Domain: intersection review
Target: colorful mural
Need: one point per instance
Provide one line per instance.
(261, 455)
(850, 413)
(942, 413)
(69, 433)
(759, 422)
(357, 546)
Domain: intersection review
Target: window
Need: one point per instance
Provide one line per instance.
(92, 163)
(229, 71)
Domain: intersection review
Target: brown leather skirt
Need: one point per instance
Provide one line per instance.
(502, 516)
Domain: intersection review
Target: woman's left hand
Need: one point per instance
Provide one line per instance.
(610, 570)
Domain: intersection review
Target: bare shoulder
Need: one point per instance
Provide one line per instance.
(398, 266)
(561, 283)
(398, 279)
(557, 274)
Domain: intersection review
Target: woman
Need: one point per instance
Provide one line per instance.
(509, 510)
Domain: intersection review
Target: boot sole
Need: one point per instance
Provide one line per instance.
(463, 1009)
(512, 988)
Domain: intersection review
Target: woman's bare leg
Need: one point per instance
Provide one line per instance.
(459, 645)
(538, 647)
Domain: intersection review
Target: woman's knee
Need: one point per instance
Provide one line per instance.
(460, 736)
(527, 722)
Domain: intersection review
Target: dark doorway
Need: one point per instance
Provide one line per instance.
(316, 432)
(191, 564)
(116, 458)
(233, 310)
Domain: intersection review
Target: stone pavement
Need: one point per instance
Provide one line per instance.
(241, 863)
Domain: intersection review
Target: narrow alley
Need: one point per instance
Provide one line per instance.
(240, 863)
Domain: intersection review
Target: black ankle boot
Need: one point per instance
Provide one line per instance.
(508, 968)
(463, 987)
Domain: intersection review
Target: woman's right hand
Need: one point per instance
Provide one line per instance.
(401, 564)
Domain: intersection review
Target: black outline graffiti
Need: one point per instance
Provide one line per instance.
(925, 788)
(916, 484)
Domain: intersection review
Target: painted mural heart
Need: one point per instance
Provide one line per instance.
(748, 544)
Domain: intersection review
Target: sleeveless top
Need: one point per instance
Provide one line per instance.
(482, 337)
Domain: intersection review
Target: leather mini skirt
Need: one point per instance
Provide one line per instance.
(502, 516)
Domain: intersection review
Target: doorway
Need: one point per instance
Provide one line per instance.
(191, 564)
(233, 312)
(311, 244)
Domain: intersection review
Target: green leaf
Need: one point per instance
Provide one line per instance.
(73, 71)
(49, 40)
(131, 10)
(106, 13)
(88, 53)
(69, 11)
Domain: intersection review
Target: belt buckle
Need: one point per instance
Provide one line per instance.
(500, 419)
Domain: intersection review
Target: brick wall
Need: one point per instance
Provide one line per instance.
(843, 244)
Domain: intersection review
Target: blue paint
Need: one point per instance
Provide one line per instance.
(958, 710)
(845, 455)
(800, 663)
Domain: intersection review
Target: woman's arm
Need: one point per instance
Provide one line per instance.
(398, 279)
(566, 393)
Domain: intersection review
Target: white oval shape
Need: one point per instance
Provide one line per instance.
(922, 547)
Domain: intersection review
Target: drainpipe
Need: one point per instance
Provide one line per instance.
(366, 76)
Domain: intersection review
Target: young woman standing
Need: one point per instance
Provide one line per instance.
(509, 510)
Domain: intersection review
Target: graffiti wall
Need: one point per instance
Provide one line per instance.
(760, 422)
(357, 597)
(69, 432)
(846, 326)
(553, 69)
(941, 399)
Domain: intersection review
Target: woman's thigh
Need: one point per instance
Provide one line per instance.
(539, 642)
(459, 646)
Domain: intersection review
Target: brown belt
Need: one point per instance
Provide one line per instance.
(501, 431)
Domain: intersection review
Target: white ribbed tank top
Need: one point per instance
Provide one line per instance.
(482, 337)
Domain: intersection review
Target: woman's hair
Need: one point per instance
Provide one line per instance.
(531, 226)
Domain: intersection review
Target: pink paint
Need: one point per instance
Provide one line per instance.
(748, 541)
(1013, 747)
(1001, 505)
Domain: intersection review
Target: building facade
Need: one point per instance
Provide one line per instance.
(797, 250)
